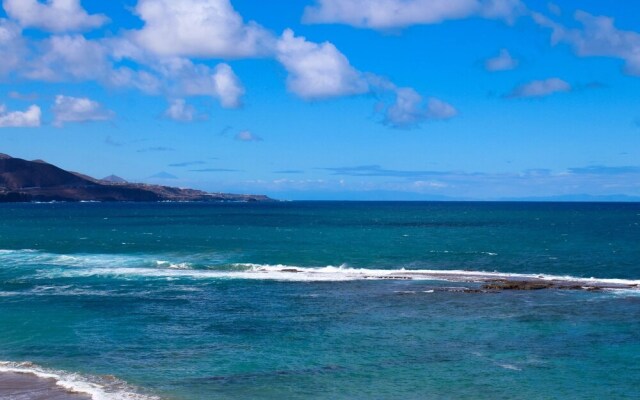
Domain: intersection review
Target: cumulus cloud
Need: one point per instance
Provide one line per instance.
(20, 119)
(69, 57)
(597, 37)
(502, 62)
(540, 88)
(53, 15)
(158, 59)
(410, 109)
(317, 70)
(12, 46)
(387, 14)
(247, 136)
(149, 82)
(227, 86)
(75, 58)
(199, 28)
(184, 78)
(78, 109)
(179, 110)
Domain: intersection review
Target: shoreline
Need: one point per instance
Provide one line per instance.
(29, 386)
(29, 381)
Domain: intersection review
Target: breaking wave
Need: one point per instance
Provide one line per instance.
(98, 387)
(49, 265)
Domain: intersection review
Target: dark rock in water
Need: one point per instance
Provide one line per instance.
(517, 285)
(25, 181)
(289, 270)
(573, 287)
(390, 277)
(505, 284)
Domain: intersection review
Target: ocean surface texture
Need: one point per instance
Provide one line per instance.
(319, 300)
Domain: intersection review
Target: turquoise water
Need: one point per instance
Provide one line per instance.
(189, 301)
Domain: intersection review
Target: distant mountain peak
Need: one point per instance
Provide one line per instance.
(113, 179)
(163, 175)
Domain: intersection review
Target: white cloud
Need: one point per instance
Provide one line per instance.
(200, 28)
(179, 110)
(227, 86)
(502, 62)
(184, 78)
(20, 119)
(247, 136)
(598, 37)
(142, 80)
(438, 109)
(410, 109)
(387, 14)
(53, 15)
(540, 88)
(70, 57)
(158, 58)
(78, 109)
(12, 46)
(318, 70)
(75, 58)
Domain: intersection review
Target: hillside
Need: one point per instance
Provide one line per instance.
(25, 181)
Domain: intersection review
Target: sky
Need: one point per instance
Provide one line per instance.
(330, 99)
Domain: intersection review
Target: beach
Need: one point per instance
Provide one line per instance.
(26, 386)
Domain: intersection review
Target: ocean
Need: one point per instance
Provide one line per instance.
(321, 300)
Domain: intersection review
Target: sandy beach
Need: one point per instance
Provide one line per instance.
(25, 386)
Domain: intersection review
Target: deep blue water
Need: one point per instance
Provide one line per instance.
(185, 301)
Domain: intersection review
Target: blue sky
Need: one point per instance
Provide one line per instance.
(329, 99)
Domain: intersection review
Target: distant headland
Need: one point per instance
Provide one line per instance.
(38, 181)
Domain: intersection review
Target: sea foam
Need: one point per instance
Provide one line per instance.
(139, 266)
(99, 388)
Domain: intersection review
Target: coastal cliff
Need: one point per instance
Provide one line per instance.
(27, 181)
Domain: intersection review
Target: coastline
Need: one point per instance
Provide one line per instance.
(29, 386)
(29, 381)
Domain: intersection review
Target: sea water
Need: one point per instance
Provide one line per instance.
(320, 300)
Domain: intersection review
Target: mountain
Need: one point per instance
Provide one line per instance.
(113, 179)
(24, 181)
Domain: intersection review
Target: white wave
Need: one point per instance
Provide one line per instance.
(99, 388)
(168, 264)
(509, 366)
(18, 258)
(210, 266)
(333, 274)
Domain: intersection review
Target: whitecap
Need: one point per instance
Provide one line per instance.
(208, 266)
